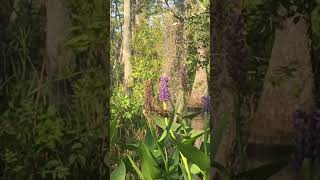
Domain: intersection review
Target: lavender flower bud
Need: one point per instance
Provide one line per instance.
(164, 94)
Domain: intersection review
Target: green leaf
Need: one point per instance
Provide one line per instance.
(194, 169)
(136, 168)
(191, 115)
(149, 167)
(191, 140)
(186, 166)
(131, 147)
(194, 155)
(263, 172)
(161, 123)
(184, 173)
(175, 161)
(119, 173)
(113, 129)
(163, 136)
(149, 140)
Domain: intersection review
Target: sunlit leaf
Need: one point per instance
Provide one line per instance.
(136, 168)
(194, 155)
(149, 167)
(119, 173)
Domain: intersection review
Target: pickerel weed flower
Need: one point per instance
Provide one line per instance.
(307, 139)
(164, 94)
(205, 100)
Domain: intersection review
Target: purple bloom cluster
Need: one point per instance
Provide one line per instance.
(164, 94)
(205, 104)
(307, 140)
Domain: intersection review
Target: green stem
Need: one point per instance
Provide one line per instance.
(185, 163)
(163, 156)
(206, 135)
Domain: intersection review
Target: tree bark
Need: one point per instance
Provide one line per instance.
(59, 57)
(228, 80)
(288, 86)
(180, 55)
(174, 51)
(199, 89)
(126, 45)
(137, 14)
(222, 87)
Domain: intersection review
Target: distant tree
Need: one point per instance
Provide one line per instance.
(126, 44)
(288, 84)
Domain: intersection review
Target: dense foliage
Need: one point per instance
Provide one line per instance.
(151, 136)
(40, 140)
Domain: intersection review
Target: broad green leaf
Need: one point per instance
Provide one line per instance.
(161, 123)
(263, 172)
(195, 132)
(194, 155)
(191, 140)
(175, 161)
(163, 136)
(191, 115)
(157, 143)
(149, 167)
(119, 173)
(149, 141)
(136, 168)
(194, 169)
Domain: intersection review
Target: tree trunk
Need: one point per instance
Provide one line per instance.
(199, 89)
(227, 62)
(287, 87)
(223, 88)
(59, 57)
(126, 45)
(288, 84)
(137, 15)
(174, 52)
(180, 55)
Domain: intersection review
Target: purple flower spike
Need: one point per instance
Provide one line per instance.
(164, 89)
(205, 104)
